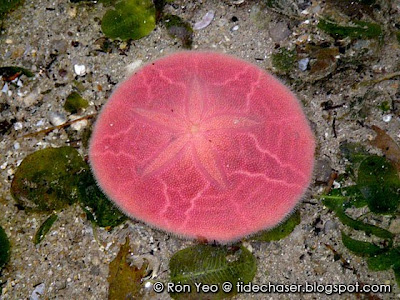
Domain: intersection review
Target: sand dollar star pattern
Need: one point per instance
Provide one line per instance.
(190, 133)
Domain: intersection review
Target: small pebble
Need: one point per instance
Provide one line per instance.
(95, 270)
(60, 285)
(60, 46)
(31, 98)
(316, 9)
(72, 12)
(18, 126)
(123, 46)
(95, 261)
(329, 225)
(248, 246)
(37, 292)
(323, 170)
(80, 70)
(40, 122)
(16, 145)
(235, 28)
(395, 226)
(62, 72)
(279, 31)
(21, 94)
(108, 245)
(303, 63)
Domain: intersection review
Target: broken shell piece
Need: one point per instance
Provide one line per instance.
(303, 63)
(38, 291)
(56, 118)
(153, 267)
(205, 21)
(387, 118)
(80, 70)
(132, 67)
(18, 125)
(235, 28)
(336, 184)
(5, 88)
(79, 125)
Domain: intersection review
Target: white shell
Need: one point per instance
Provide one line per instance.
(80, 70)
(387, 118)
(56, 118)
(205, 21)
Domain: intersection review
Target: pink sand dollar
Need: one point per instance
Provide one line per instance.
(203, 145)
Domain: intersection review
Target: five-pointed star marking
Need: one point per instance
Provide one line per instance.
(189, 129)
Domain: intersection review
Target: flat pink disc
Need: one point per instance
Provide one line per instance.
(203, 145)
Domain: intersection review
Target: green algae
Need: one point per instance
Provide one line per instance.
(9, 73)
(75, 103)
(354, 152)
(48, 179)
(98, 208)
(53, 178)
(337, 204)
(44, 228)
(379, 183)
(361, 248)
(354, 30)
(4, 252)
(377, 186)
(385, 106)
(131, 19)
(178, 28)
(280, 231)
(210, 265)
(7, 5)
(4, 248)
(284, 60)
(125, 280)
(386, 261)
